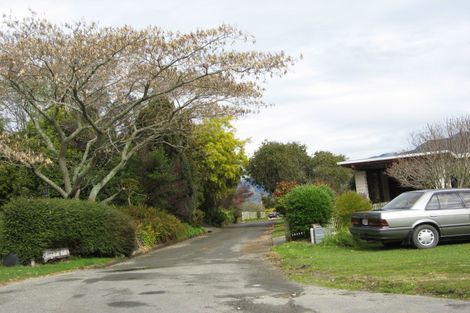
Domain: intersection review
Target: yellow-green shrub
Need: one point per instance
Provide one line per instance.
(155, 226)
(346, 204)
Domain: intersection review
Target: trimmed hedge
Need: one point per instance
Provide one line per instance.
(86, 228)
(307, 205)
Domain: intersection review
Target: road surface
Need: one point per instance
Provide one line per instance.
(224, 271)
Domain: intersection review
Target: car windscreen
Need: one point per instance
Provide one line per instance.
(404, 201)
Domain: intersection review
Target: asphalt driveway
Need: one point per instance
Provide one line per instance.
(224, 271)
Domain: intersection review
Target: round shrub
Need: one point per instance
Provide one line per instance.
(86, 228)
(346, 204)
(307, 205)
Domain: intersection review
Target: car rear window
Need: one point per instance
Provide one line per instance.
(433, 204)
(404, 201)
(450, 201)
(466, 198)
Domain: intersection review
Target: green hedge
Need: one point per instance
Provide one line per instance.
(307, 205)
(155, 226)
(86, 228)
(2, 237)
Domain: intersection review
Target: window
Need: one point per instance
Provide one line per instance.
(404, 201)
(433, 204)
(466, 198)
(450, 201)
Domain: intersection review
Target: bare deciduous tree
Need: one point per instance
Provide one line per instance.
(101, 80)
(440, 157)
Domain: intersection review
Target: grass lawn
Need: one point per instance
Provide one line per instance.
(443, 271)
(279, 228)
(9, 274)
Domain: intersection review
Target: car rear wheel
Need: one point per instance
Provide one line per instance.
(425, 236)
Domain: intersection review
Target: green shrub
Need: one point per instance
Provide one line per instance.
(155, 226)
(192, 231)
(198, 218)
(342, 238)
(168, 227)
(223, 217)
(2, 236)
(229, 216)
(307, 205)
(146, 235)
(86, 228)
(346, 204)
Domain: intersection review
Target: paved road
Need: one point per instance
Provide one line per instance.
(221, 272)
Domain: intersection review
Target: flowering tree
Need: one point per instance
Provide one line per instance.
(86, 88)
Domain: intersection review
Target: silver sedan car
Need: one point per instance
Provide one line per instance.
(419, 217)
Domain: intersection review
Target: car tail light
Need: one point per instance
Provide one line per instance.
(355, 221)
(378, 223)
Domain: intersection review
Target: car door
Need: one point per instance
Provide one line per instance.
(448, 211)
(465, 195)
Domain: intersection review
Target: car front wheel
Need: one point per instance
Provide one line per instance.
(425, 236)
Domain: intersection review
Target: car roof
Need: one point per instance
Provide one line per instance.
(442, 190)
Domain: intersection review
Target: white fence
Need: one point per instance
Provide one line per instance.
(248, 215)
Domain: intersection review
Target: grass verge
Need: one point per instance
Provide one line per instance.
(279, 228)
(192, 231)
(15, 273)
(443, 271)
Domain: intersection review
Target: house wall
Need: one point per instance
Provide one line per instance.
(361, 183)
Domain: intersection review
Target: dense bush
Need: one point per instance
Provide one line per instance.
(155, 226)
(223, 217)
(86, 228)
(346, 204)
(198, 218)
(2, 236)
(342, 238)
(192, 231)
(307, 205)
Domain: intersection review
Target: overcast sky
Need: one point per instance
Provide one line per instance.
(372, 71)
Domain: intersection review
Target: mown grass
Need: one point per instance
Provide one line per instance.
(279, 228)
(443, 271)
(10, 274)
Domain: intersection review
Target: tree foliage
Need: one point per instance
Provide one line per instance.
(17, 181)
(238, 198)
(101, 80)
(274, 162)
(220, 159)
(327, 171)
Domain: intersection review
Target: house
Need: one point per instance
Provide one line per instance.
(371, 175)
